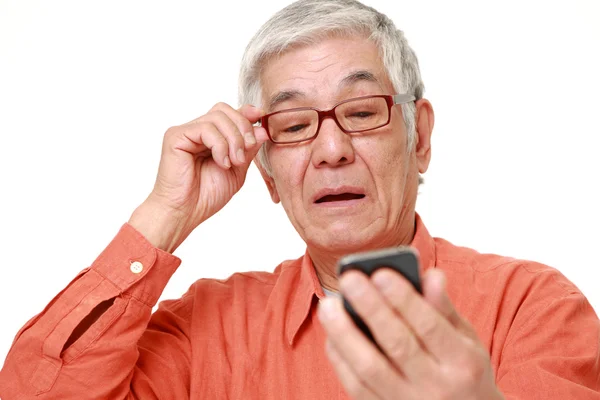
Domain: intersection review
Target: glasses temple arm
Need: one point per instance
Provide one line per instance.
(403, 98)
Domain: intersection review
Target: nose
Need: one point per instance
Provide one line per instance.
(332, 147)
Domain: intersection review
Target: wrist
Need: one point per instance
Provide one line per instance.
(162, 227)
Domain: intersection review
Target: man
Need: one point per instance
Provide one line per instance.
(343, 138)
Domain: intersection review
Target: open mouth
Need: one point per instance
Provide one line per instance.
(339, 197)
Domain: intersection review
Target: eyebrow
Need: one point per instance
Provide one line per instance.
(351, 79)
(284, 95)
(358, 76)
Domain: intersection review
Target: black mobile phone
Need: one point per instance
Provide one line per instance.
(400, 259)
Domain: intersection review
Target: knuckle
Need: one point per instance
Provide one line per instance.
(205, 129)
(427, 328)
(172, 131)
(236, 140)
(368, 370)
(476, 369)
(172, 135)
(220, 106)
(355, 389)
(209, 134)
(219, 114)
(220, 141)
(472, 367)
(402, 350)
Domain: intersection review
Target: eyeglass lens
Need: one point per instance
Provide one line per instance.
(355, 115)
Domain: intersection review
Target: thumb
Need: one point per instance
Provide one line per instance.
(261, 137)
(434, 291)
(251, 113)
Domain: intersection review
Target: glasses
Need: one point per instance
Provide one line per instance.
(352, 116)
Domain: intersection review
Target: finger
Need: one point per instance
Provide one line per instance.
(251, 113)
(200, 137)
(353, 386)
(434, 331)
(260, 134)
(244, 118)
(241, 121)
(392, 334)
(367, 363)
(434, 291)
(227, 128)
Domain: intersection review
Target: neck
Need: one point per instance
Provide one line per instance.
(326, 260)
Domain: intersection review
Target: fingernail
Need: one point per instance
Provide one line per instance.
(241, 156)
(249, 139)
(351, 285)
(327, 310)
(381, 281)
(227, 162)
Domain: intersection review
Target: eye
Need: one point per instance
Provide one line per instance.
(361, 114)
(295, 128)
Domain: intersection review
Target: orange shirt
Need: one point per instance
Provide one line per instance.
(256, 335)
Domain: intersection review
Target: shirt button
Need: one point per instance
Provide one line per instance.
(136, 267)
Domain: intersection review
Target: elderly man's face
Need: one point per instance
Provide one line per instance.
(372, 176)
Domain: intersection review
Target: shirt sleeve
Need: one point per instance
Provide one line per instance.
(554, 354)
(118, 355)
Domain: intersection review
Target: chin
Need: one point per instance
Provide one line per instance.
(344, 237)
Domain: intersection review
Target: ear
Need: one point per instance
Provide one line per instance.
(269, 181)
(424, 120)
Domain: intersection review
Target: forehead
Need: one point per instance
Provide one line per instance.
(313, 69)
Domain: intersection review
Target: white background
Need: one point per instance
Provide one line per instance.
(87, 90)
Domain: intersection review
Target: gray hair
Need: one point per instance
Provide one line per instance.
(306, 22)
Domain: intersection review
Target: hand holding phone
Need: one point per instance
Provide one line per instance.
(401, 259)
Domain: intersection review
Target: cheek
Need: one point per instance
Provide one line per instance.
(289, 167)
(298, 165)
(396, 148)
(384, 154)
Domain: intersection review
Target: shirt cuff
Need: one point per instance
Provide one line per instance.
(136, 267)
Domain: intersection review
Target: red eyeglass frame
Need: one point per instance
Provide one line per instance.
(391, 100)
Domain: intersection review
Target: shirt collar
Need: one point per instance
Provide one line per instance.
(307, 284)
